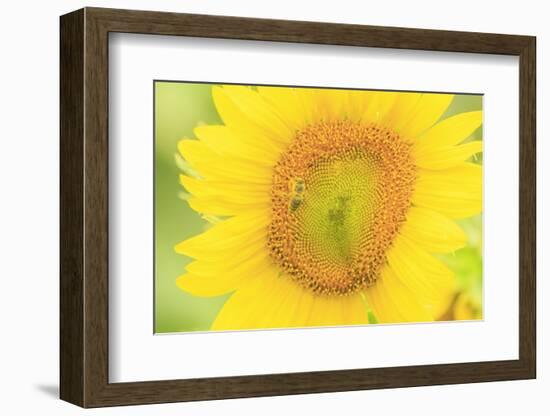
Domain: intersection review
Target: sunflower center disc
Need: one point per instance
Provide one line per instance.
(340, 193)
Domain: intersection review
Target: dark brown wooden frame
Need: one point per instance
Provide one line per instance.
(84, 207)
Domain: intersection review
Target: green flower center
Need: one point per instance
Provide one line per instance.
(338, 207)
(340, 193)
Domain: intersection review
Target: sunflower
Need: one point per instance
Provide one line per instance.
(327, 206)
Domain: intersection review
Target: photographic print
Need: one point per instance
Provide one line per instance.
(294, 207)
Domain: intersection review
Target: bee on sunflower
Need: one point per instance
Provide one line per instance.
(328, 206)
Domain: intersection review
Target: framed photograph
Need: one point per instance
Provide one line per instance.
(255, 207)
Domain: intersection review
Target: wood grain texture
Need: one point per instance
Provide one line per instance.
(527, 207)
(84, 207)
(71, 100)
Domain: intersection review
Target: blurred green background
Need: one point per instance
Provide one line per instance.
(179, 108)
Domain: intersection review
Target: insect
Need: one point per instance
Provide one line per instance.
(297, 187)
(295, 202)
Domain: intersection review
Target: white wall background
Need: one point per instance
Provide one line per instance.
(29, 210)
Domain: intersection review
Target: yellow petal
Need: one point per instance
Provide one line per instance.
(392, 301)
(379, 105)
(382, 306)
(293, 309)
(308, 103)
(276, 301)
(436, 149)
(259, 111)
(355, 310)
(433, 231)
(449, 132)
(428, 110)
(331, 103)
(239, 144)
(246, 307)
(222, 208)
(358, 100)
(211, 165)
(224, 254)
(232, 115)
(325, 311)
(234, 232)
(402, 110)
(213, 279)
(455, 192)
(447, 157)
(239, 259)
(338, 310)
(234, 193)
(223, 283)
(287, 104)
(208, 287)
(429, 279)
(284, 309)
